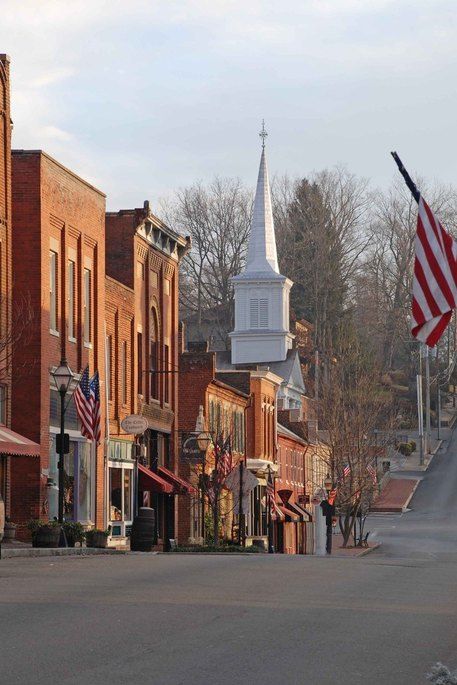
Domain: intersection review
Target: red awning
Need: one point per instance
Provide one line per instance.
(12, 443)
(289, 513)
(181, 485)
(152, 481)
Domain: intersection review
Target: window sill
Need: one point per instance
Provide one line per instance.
(56, 334)
(72, 340)
(88, 345)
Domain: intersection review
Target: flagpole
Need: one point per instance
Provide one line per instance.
(408, 180)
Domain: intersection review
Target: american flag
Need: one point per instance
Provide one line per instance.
(435, 274)
(272, 507)
(223, 458)
(87, 401)
(372, 471)
(95, 403)
(346, 471)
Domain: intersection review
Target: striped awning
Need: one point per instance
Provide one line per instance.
(13, 444)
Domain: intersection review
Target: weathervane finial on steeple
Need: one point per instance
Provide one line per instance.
(263, 134)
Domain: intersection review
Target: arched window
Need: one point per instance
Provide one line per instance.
(154, 362)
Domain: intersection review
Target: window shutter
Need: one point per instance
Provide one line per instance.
(254, 313)
(263, 313)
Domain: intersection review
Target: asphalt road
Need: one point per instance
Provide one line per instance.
(169, 620)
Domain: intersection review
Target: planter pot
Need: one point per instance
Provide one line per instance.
(46, 536)
(98, 540)
(9, 532)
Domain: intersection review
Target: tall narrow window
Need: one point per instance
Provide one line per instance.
(2, 404)
(140, 363)
(166, 370)
(71, 300)
(124, 372)
(154, 362)
(87, 306)
(53, 290)
(109, 375)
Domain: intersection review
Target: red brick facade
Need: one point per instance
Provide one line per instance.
(142, 256)
(59, 265)
(224, 409)
(5, 263)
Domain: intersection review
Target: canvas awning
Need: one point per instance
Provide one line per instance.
(180, 485)
(306, 516)
(13, 444)
(149, 480)
(289, 514)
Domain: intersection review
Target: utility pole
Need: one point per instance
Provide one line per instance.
(420, 418)
(427, 398)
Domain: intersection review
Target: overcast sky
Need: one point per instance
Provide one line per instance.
(143, 97)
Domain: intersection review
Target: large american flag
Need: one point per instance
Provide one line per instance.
(87, 401)
(435, 274)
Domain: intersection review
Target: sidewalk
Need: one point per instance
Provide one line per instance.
(396, 495)
(16, 549)
(339, 551)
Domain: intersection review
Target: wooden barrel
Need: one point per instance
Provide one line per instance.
(143, 535)
(46, 536)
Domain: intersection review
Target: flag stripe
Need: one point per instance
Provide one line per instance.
(435, 277)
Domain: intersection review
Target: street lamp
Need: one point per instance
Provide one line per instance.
(63, 376)
(203, 439)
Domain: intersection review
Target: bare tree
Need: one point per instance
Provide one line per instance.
(217, 217)
(353, 406)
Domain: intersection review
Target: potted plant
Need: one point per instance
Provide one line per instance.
(10, 530)
(74, 532)
(45, 533)
(97, 538)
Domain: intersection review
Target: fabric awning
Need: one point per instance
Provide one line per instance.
(181, 485)
(13, 444)
(289, 513)
(306, 516)
(150, 480)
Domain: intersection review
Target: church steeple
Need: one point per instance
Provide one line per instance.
(262, 242)
(261, 294)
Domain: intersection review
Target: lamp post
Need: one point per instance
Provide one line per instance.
(63, 376)
(269, 480)
(204, 438)
(328, 512)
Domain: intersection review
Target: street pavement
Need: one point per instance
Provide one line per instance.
(382, 619)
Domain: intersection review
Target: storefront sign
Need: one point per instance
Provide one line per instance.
(134, 424)
(190, 450)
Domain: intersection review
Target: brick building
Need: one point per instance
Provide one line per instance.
(59, 266)
(142, 263)
(12, 445)
(222, 408)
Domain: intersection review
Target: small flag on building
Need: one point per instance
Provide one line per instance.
(346, 471)
(372, 471)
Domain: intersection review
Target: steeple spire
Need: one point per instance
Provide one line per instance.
(262, 255)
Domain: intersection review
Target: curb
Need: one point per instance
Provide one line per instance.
(405, 505)
(369, 549)
(26, 552)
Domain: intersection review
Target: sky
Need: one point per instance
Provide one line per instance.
(144, 97)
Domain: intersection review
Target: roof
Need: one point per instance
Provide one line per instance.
(297, 428)
(290, 434)
(262, 257)
(290, 370)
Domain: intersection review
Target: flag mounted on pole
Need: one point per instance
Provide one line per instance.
(87, 401)
(435, 271)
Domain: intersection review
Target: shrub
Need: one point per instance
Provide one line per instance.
(413, 445)
(441, 675)
(74, 531)
(405, 448)
(34, 524)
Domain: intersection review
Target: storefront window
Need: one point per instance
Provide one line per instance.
(115, 479)
(127, 494)
(77, 481)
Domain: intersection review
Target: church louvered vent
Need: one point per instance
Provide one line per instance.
(258, 313)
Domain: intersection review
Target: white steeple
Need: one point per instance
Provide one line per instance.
(262, 242)
(261, 294)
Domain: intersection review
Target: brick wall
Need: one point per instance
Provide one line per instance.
(53, 209)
